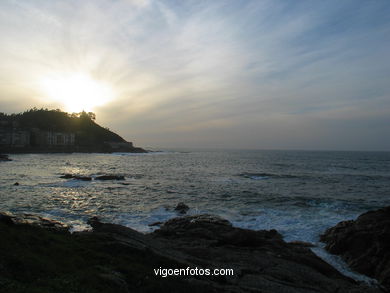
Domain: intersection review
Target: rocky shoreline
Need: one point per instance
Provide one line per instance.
(364, 244)
(41, 255)
(4, 158)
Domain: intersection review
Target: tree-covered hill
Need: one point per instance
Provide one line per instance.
(82, 124)
(43, 130)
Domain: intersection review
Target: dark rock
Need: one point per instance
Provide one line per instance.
(114, 258)
(182, 225)
(16, 184)
(156, 224)
(94, 222)
(35, 220)
(110, 177)
(6, 219)
(115, 281)
(139, 150)
(83, 178)
(4, 158)
(364, 244)
(182, 208)
(262, 260)
(67, 176)
(77, 177)
(217, 231)
(302, 243)
(111, 260)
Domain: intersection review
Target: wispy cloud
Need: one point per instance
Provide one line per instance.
(211, 73)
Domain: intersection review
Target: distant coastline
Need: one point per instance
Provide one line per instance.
(71, 149)
(55, 131)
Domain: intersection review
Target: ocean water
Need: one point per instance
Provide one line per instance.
(299, 193)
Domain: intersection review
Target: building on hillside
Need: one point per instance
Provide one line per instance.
(14, 137)
(60, 138)
(5, 136)
(20, 138)
(34, 137)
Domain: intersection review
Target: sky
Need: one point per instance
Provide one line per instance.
(206, 74)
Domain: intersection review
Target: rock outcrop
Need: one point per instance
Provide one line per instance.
(77, 177)
(364, 244)
(182, 208)
(110, 177)
(89, 178)
(33, 220)
(4, 158)
(262, 260)
(37, 255)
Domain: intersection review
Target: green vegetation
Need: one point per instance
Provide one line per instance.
(82, 124)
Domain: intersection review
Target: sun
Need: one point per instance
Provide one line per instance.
(77, 92)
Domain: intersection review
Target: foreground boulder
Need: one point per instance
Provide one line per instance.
(114, 258)
(262, 260)
(33, 220)
(364, 244)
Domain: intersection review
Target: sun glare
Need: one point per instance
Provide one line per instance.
(77, 92)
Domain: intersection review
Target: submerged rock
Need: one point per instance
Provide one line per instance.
(158, 223)
(67, 176)
(110, 177)
(77, 177)
(83, 178)
(364, 244)
(94, 222)
(182, 208)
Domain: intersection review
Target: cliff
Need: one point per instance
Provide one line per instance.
(42, 130)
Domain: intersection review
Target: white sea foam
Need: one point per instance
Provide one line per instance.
(292, 192)
(338, 263)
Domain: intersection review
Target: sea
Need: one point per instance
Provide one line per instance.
(298, 193)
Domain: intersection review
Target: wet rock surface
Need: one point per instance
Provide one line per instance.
(110, 177)
(34, 220)
(113, 258)
(364, 244)
(262, 260)
(182, 208)
(4, 158)
(89, 178)
(77, 177)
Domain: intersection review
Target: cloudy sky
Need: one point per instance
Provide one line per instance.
(216, 74)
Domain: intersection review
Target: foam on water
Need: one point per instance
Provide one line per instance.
(341, 266)
(300, 194)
